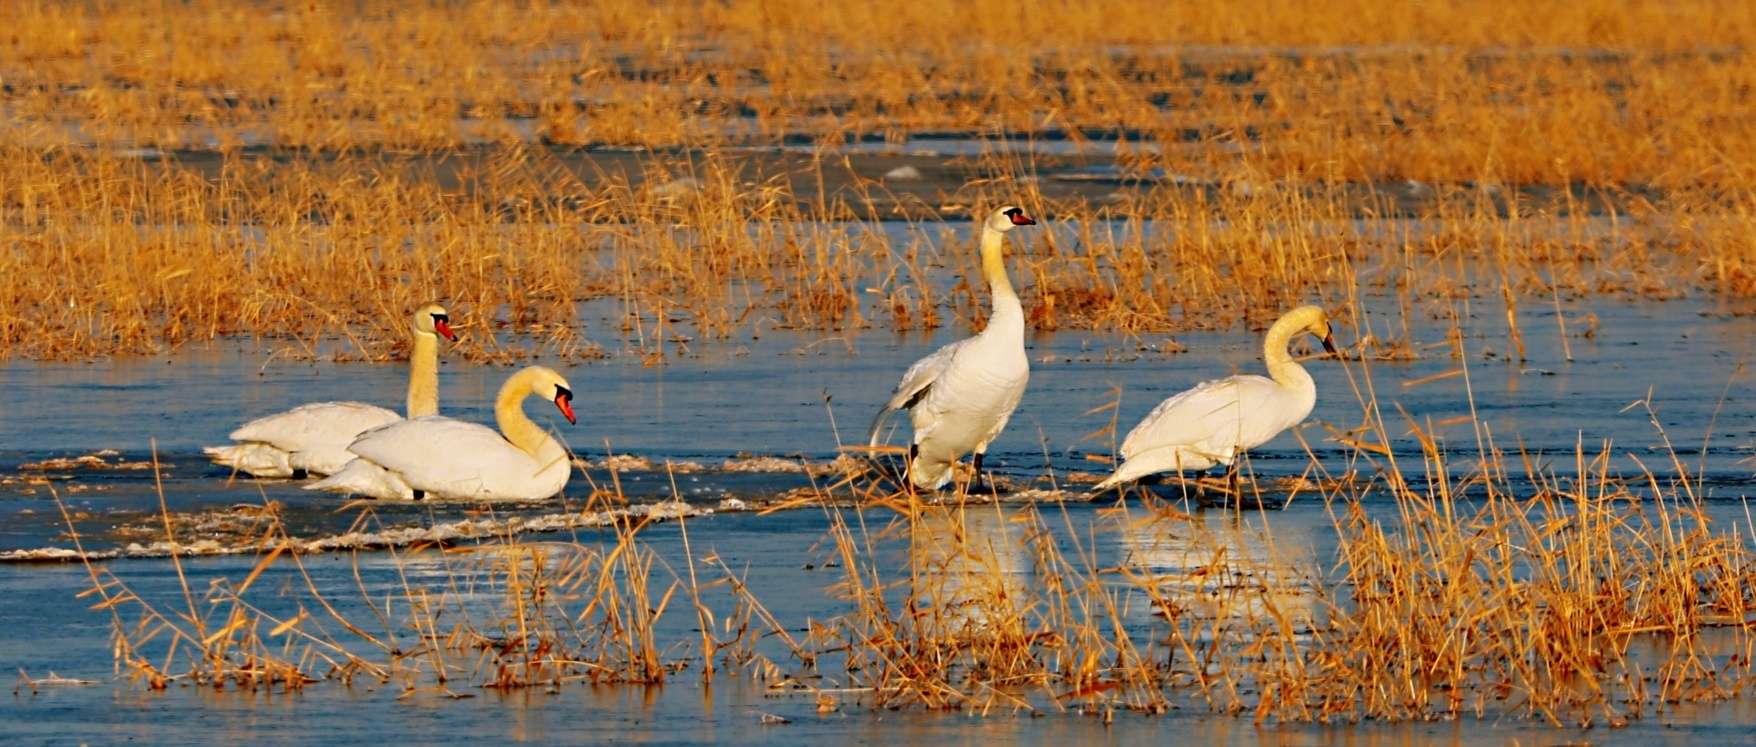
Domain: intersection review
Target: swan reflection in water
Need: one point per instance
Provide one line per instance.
(1220, 565)
(968, 564)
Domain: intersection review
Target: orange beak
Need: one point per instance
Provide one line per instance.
(564, 400)
(442, 323)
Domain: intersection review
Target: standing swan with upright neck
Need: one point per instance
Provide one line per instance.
(960, 397)
(1218, 420)
(441, 457)
(314, 438)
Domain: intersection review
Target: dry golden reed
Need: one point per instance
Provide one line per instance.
(1569, 595)
(1503, 583)
(309, 171)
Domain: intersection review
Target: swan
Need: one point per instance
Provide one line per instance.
(447, 458)
(960, 397)
(1218, 420)
(314, 438)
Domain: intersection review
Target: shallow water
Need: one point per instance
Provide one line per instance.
(777, 555)
(798, 397)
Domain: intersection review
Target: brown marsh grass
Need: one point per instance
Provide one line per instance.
(316, 169)
(321, 257)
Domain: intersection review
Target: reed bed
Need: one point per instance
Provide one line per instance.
(307, 172)
(321, 257)
(572, 181)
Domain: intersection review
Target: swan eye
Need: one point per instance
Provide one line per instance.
(441, 319)
(563, 393)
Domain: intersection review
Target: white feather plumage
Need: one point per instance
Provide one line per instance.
(960, 397)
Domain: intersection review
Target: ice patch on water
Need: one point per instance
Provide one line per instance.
(903, 173)
(447, 533)
(94, 460)
(842, 465)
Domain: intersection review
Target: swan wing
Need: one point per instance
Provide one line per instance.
(915, 384)
(1208, 425)
(252, 458)
(311, 437)
(362, 477)
(1215, 419)
(457, 459)
(318, 423)
(436, 447)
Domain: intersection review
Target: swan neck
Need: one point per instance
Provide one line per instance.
(424, 376)
(994, 271)
(1281, 366)
(516, 426)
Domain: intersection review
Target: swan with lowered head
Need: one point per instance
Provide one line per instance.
(960, 397)
(1218, 420)
(442, 457)
(314, 438)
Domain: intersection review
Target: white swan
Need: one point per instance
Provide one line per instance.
(445, 458)
(1218, 420)
(960, 397)
(314, 438)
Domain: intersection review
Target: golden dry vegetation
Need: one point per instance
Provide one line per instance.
(1597, 601)
(186, 171)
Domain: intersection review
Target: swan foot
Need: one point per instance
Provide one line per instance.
(908, 469)
(418, 494)
(981, 483)
(300, 473)
(978, 485)
(1228, 491)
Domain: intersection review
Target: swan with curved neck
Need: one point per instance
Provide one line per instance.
(440, 457)
(1216, 421)
(313, 439)
(960, 397)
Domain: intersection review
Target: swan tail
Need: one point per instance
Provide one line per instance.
(252, 458)
(1108, 482)
(878, 425)
(361, 477)
(1177, 459)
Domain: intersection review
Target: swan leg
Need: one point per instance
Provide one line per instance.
(1229, 490)
(908, 471)
(419, 494)
(979, 484)
(300, 473)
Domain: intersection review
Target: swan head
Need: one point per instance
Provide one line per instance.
(1007, 218)
(1315, 320)
(433, 319)
(549, 385)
